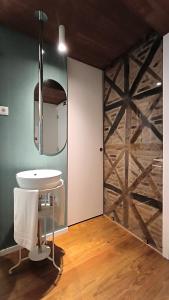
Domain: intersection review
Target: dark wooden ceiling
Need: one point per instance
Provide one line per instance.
(97, 31)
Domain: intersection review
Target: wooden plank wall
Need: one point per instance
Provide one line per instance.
(133, 135)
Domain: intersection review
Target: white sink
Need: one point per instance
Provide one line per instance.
(38, 179)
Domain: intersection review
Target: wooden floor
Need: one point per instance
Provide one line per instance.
(102, 261)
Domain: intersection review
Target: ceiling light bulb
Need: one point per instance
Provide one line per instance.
(62, 48)
(158, 83)
(62, 45)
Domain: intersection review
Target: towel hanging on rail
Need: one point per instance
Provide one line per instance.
(25, 217)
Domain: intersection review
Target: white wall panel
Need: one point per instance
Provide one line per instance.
(85, 137)
(166, 146)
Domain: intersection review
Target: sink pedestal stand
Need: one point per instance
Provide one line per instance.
(42, 250)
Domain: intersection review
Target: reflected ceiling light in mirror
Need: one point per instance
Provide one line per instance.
(62, 48)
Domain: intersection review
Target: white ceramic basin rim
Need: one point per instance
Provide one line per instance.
(38, 179)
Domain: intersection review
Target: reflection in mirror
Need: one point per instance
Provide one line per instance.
(54, 117)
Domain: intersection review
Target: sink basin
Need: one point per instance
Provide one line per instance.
(38, 179)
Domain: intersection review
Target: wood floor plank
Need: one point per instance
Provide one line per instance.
(102, 262)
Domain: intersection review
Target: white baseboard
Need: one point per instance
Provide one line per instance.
(16, 247)
(58, 232)
(9, 250)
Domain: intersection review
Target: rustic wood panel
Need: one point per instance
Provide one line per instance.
(133, 134)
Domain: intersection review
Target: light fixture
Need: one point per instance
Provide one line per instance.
(158, 83)
(62, 48)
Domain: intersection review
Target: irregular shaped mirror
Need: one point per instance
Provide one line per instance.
(54, 110)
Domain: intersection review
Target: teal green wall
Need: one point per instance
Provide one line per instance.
(18, 77)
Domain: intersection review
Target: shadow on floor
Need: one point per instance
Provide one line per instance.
(31, 280)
